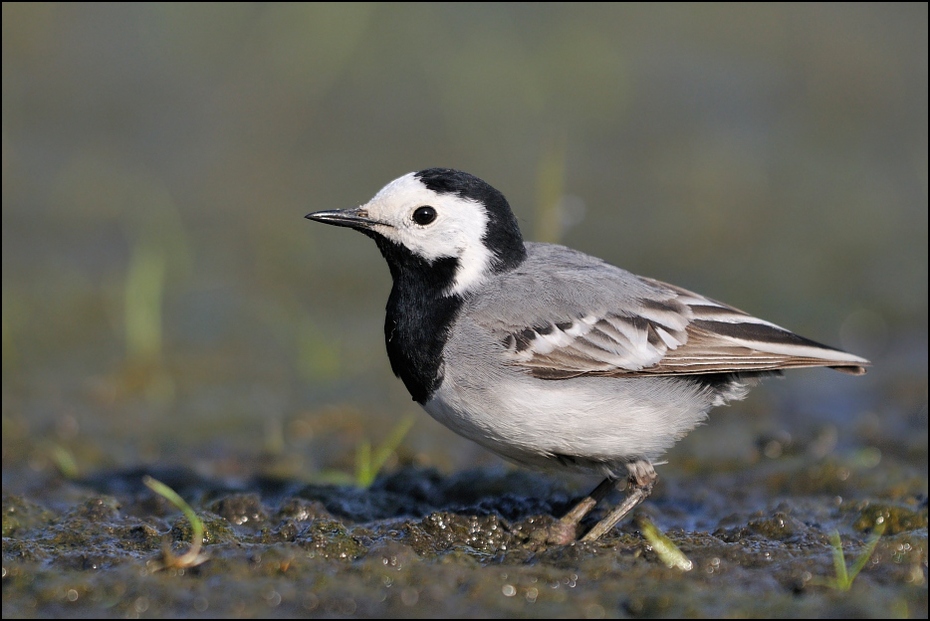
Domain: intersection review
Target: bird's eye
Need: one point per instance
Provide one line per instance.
(424, 215)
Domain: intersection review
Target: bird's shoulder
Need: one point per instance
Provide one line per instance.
(556, 280)
(563, 312)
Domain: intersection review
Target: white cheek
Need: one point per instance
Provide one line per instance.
(431, 244)
(474, 266)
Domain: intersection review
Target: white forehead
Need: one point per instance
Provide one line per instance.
(403, 190)
(395, 203)
(458, 230)
(409, 192)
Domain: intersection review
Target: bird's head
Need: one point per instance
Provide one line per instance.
(437, 216)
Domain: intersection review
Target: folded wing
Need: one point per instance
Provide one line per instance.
(670, 331)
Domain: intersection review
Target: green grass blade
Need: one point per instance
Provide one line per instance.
(664, 547)
(144, 291)
(839, 562)
(363, 470)
(369, 462)
(193, 556)
(866, 554)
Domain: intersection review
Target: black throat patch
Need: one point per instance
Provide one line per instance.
(419, 317)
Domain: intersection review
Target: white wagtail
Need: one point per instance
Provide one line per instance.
(548, 356)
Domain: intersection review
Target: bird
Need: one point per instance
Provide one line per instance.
(550, 357)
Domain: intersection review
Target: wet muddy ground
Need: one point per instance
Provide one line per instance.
(423, 543)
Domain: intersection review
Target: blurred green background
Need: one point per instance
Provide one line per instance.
(164, 297)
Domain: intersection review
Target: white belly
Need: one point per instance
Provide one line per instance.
(590, 424)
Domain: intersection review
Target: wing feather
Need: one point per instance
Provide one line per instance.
(666, 331)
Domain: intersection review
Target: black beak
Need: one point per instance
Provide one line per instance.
(353, 218)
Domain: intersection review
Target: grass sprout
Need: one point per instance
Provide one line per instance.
(144, 293)
(664, 547)
(192, 557)
(845, 576)
(369, 461)
(64, 461)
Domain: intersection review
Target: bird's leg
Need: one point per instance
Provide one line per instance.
(584, 507)
(564, 531)
(642, 478)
